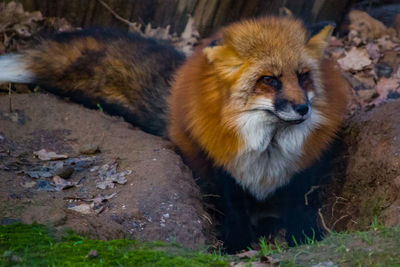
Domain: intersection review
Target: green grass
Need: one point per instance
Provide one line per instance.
(33, 245)
(379, 246)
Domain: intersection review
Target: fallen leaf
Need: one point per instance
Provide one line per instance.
(82, 208)
(368, 27)
(43, 185)
(97, 199)
(335, 42)
(385, 85)
(355, 59)
(92, 254)
(373, 52)
(247, 254)
(385, 43)
(367, 81)
(28, 184)
(39, 174)
(109, 176)
(383, 70)
(100, 198)
(61, 184)
(44, 154)
(269, 259)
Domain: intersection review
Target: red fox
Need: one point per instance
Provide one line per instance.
(258, 100)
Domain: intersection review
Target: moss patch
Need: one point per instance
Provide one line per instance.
(34, 245)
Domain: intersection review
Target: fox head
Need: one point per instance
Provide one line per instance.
(259, 100)
(269, 70)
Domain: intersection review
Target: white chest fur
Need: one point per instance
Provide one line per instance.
(271, 153)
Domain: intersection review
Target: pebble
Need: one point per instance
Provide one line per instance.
(89, 149)
(64, 172)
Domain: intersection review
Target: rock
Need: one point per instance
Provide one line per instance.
(89, 149)
(64, 172)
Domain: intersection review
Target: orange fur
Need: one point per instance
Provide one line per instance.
(334, 109)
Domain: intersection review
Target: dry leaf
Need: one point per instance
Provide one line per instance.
(92, 254)
(28, 184)
(62, 184)
(387, 85)
(367, 27)
(100, 198)
(269, 259)
(385, 43)
(109, 176)
(355, 59)
(247, 254)
(44, 154)
(367, 80)
(82, 208)
(373, 52)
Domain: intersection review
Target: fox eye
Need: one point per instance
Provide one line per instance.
(271, 81)
(302, 77)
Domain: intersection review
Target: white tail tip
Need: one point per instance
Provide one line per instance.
(13, 69)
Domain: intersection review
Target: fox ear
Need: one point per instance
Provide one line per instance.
(224, 59)
(317, 43)
(213, 52)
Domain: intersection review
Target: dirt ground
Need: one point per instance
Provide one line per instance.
(154, 196)
(366, 180)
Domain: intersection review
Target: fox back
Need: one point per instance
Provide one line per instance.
(126, 74)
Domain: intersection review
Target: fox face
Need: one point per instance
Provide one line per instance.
(270, 70)
(259, 97)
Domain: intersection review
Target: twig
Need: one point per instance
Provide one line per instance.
(312, 189)
(334, 224)
(9, 98)
(337, 202)
(132, 25)
(370, 6)
(207, 218)
(323, 221)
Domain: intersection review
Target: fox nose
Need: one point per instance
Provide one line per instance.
(302, 109)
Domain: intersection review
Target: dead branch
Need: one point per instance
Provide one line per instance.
(132, 25)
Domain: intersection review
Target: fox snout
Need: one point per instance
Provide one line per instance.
(290, 111)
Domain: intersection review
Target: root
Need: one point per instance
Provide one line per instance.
(312, 189)
(323, 221)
